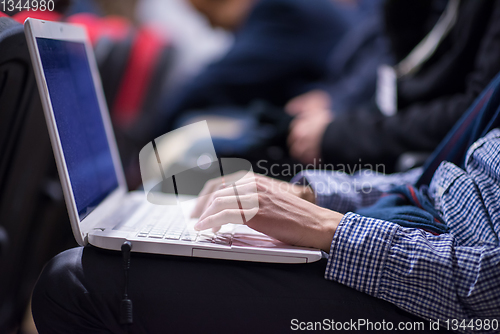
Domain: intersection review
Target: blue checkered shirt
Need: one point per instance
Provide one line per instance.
(448, 276)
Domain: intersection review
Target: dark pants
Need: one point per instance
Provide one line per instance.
(80, 291)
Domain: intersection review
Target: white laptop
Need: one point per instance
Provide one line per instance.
(102, 212)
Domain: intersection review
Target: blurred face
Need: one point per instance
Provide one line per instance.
(226, 14)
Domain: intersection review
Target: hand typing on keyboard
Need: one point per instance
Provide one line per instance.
(167, 222)
(278, 209)
(249, 180)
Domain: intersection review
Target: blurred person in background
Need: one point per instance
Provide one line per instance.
(196, 43)
(338, 120)
(430, 98)
(280, 48)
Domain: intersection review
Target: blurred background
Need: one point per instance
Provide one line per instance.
(34, 225)
(280, 83)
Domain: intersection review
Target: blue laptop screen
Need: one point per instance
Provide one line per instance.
(79, 122)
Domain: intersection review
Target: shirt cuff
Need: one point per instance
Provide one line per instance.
(359, 251)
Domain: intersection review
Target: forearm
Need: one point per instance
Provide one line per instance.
(367, 137)
(424, 274)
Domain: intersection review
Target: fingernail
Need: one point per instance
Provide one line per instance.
(198, 226)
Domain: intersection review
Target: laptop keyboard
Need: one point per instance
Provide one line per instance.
(169, 224)
(120, 218)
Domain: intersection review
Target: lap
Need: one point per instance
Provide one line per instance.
(83, 287)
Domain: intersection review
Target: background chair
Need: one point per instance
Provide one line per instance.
(34, 224)
(33, 216)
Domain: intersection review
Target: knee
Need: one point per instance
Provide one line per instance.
(56, 290)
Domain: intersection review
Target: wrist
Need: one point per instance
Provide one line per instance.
(304, 192)
(308, 194)
(331, 221)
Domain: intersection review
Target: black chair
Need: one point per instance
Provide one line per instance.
(33, 216)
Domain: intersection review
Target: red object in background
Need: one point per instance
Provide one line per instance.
(37, 14)
(134, 63)
(144, 56)
(112, 27)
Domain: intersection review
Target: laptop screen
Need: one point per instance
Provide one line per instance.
(79, 122)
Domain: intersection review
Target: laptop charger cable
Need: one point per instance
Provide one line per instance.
(126, 317)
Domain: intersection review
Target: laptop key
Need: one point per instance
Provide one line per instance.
(158, 231)
(146, 229)
(173, 236)
(189, 237)
(176, 231)
(205, 238)
(222, 240)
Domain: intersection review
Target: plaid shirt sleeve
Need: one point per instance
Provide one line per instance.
(445, 277)
(430, 276)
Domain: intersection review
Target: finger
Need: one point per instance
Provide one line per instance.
(305, 154)
(207, 194)
(211, 186)
(242, 178)
(299, 127)
(242, 189)
(220, 204)
(206, 200)
(219, 219)
(232, 178)
(204, 196)
(246, 202)
(228, 199)
(245, 185)
(294, 106)
(295, 122)
(228, 191)
(299, 152)
(295, 150)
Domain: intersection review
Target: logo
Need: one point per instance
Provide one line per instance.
(184, 161)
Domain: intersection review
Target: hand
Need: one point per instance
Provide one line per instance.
(208, 193)
(279, 213)
(308, 102)
(306, 133)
